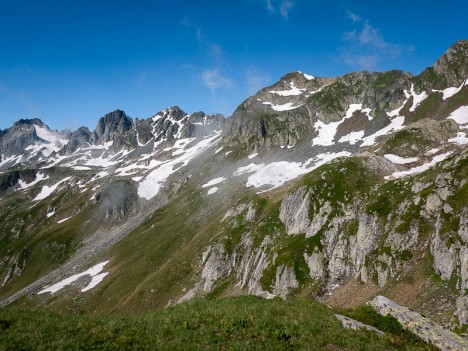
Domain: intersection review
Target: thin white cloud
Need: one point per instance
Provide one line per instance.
(365, 46)
(269, 6)
(214, 80)
(255, 79)
(282, 7)
(285, 6)
(141, 79)
(353, 16)
(211, 48)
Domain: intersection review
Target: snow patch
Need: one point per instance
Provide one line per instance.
(39, 177)
(422, 168)
(307, 76)
(48, 190)
(93, 272)
(214, 182)
(327, 132)
(417, 98)
(286, 107)
(432, 151)
(400, 160)
(64, 220)
(291, 92)
(460, 139)
(352, 137)
(460, 115)
(212, 190)
(276, 174)
(395, 125)
(153, 181)
(54, 140)
(252, 156)
(449, 92)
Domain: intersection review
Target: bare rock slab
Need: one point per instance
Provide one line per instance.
(421, 326)
(353, 324)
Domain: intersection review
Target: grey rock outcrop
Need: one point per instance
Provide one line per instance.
(80, 138)
(419, 325)
(352, 324)
(294, 211)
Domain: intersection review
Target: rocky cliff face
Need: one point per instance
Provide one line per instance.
(343, 223)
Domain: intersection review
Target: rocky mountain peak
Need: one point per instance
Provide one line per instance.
(453, 64)
(29, 122)
(112, 126)
(450, 70)
(15, 140)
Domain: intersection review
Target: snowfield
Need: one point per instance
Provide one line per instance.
(151, 184)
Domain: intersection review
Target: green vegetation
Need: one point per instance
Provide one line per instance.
(406, 143)
(242, 323)
(330, 98)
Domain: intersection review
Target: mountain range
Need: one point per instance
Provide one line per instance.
(338, 189)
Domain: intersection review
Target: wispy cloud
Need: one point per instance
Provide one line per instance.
(255, 79)
(211, 48)
(365, 46)
(141, 79)
(285, 6)
(214, 80)
(353, 17)
(282, 7)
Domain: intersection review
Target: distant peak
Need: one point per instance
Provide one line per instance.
(35, 121)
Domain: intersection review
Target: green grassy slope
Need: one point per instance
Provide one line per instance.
(242, 323)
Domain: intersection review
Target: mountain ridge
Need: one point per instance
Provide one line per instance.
(330, 188)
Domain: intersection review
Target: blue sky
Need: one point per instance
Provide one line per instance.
(70, 62)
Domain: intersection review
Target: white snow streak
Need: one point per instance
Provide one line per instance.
(214, 182)
(422, 168)
(63, 220)
(93, 272)
(400, 160)
(48, 190)
(417, 98)
(212, 190)
(291, 92)
(449, 92)
(39, 177)
(286, 107)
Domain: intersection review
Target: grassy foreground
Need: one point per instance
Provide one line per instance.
(240, 323)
